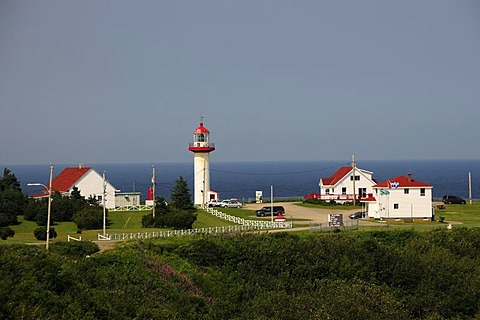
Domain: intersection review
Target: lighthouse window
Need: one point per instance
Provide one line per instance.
(200, 138)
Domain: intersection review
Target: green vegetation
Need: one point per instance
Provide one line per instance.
(371, 275)
(468, 215)
(179, 213)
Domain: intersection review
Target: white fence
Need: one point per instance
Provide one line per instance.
(242, 225)
(255, 223)
(132, 208)
(177, 233)
(325, 227)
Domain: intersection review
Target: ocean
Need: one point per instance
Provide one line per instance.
(288, 178)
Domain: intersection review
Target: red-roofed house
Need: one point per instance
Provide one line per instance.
(88, 181)
(339, 186)
(401, 198)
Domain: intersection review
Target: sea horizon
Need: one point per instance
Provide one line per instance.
(241, 179)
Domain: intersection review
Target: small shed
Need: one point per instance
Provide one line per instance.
(125, 199)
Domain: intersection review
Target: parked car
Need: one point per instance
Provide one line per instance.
(267, 211)
(357, 215)
(214, 203)
(449, 199)
(232, 203)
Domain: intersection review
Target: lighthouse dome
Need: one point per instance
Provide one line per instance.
(201, 129)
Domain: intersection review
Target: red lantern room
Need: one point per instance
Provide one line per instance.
(201, 140)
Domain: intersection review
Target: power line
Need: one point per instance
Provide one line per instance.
(278, 174)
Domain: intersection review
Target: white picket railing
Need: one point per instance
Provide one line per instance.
(242, 225)
(245, 222)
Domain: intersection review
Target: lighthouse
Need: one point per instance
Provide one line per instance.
(201, 148)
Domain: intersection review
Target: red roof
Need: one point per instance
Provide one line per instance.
(401, 182)
(201, 129)
(67, 178)
(337, 176)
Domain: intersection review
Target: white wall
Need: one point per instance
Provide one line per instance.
(364, 182)
(410, 205)
(201, 172)
(91, 184)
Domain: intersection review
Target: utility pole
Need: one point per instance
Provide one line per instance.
(153, 190)
(49, 205)
(271, 201)
(470, 187)
(353, 170)
(103, 204)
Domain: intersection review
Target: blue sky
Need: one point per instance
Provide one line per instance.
(128, 81)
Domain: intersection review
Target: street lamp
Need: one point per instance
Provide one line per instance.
(49, 188)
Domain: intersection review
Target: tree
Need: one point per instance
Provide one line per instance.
(9, 181)
(89, 218)
(180, 196)
(12, 199)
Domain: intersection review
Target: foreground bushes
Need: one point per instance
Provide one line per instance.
(377, 275)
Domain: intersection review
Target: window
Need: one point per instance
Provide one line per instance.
(99, 197)
(422, 192)
(357, 178)
(344, 190)
(327, 191)
(396, 206)
(406, 191)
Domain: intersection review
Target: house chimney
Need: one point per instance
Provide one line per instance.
(80, 166)
(409, 177)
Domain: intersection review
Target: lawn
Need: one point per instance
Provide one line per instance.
(467, 214)
(131, 221)
(118, 222)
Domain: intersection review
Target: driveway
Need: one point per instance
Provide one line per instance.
(298, 212)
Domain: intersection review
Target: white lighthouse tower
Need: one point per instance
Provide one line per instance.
(201, 147)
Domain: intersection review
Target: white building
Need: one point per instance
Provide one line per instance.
(345, 183)
(400, 198)
(88, 181)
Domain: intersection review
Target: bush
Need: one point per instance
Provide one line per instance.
(175, 219)
(41, 233)
(6, 232)
(75, 248)
(89, 218)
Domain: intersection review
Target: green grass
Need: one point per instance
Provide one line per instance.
(206, 220)
(467, 214)
(131, 221)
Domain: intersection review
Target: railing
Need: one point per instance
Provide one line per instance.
(178, 233)
(132, 208)
(245, 222)
(325, 227)
(242, 225)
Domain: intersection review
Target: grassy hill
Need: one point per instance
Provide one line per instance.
(395, 274)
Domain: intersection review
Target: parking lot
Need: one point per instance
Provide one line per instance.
(299, 212)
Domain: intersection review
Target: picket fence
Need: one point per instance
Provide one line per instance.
(241, 226)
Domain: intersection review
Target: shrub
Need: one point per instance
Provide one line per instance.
(6, 232)
(75, 248)
(176, 219)
(41, 233)
(89, 218)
